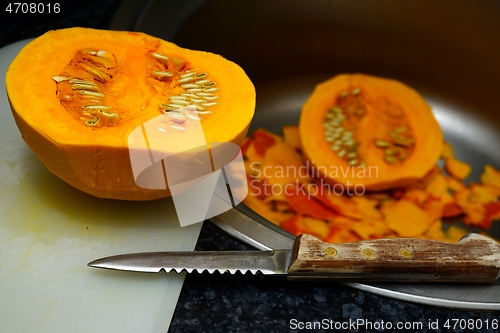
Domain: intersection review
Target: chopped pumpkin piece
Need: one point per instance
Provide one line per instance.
(371, 229)
(405, 218)
(454, 184)
(292, 137)
(307, 205)
(339, 203)
(456, 168)
(454, 233)
(435, 231)
(491, 176)
(282, 165)
(447, 150)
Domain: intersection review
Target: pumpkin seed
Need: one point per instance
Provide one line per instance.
(97, 107)
(188, 74)
(189, 95)
(202, 82)
(209, 104)
(204, 112)
(335, 148)
(92, 122)
(161, 129)
(204, 94)
(213, 89)
(81, 86)
(382, 144)
(356, 91)
(113, 115)
(201, 75)
(189, 86)
(197, 101)
(399, 129)
(195, 90)
(158, 56)
(210, 98)
(178, 128)
(349, 142)
(388, 152)
(59, 78)
(177, 117)
(393, 134)
(187, 79)
(193, 116)
(352, 162)
(390, 159)
(179, 100)
(405, 142)
(91, 93)
(162, 74)
(100, 62)
(98, 74)
(341, 153)
(182, 98)
(352, 155)
(80, 81)
(329, 139)
(343, 93)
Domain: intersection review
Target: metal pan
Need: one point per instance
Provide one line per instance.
(448, 50)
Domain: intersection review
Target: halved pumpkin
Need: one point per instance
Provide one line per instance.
(85, 100)
(364, 130)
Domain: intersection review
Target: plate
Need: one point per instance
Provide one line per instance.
(448, 53)
(49, 231)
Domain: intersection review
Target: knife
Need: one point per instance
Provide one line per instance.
(474, 259)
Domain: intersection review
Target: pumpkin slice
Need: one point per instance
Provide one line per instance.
(380, 125)
(85, 100)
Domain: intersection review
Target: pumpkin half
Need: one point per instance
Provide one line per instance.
(81, 96)
(364, 130)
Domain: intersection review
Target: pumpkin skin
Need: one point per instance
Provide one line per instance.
(396, 138)
(95, 158)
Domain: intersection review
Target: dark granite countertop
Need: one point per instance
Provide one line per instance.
(245, 303)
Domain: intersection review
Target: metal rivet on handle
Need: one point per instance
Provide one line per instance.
(405, 253)
(330, 251)
(369, 253)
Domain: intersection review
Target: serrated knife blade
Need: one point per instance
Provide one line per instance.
(266, 262)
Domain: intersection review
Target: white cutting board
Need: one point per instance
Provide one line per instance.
(49, 231)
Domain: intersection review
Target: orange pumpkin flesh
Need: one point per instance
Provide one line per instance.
(394, 137)
(88, 146)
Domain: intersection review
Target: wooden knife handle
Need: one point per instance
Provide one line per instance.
(474, 259)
